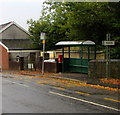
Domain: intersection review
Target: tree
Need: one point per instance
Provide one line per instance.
(76, 21)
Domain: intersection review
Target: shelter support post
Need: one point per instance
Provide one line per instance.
(69, 51)
(95, 52)
(81, 52)
(62, 59)
(88, 52)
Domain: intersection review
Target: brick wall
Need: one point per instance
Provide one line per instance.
(4, 61)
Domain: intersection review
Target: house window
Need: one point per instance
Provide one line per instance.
(17, 58)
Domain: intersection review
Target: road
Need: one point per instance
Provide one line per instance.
(27, 96)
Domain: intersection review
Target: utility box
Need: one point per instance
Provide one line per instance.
(52, 66)
(30, 66)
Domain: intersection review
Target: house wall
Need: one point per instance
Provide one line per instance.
(13, 32)
(29, 57)
(4, 60)
(22, 54)
(14, 61)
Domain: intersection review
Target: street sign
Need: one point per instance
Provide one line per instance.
(42, 36)
(108, 43)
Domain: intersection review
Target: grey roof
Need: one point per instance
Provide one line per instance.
(4, 25)
(7, 25)
(18, 43)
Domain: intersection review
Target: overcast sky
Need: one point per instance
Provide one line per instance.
(20, 11)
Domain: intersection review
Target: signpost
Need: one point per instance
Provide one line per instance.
(108, 43)
(42, 37)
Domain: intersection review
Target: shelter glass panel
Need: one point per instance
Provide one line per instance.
(92, 52)
(75, 52)
(85, 52)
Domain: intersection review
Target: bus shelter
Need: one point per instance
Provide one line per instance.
(76, 55)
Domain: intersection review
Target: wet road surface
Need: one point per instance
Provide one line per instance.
(29, 96)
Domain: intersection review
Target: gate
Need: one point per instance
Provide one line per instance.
(21, 59)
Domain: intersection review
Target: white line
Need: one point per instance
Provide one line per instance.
(8, 80)
(23, 85)
(84, 101)
(17, 83)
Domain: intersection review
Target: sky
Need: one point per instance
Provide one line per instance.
(20, 11)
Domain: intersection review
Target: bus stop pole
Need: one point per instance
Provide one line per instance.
(43, 57)
(42, 37)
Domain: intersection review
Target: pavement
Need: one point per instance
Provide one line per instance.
(83, 78)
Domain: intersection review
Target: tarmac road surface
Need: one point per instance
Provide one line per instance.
(26, 96)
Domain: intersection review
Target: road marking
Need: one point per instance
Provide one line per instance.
(17, 83)
(27, 80)
(84, 101)
(112, 99)
(41, 83)
(22, 85)
(59, 88)
(7, 80)
(81, 93)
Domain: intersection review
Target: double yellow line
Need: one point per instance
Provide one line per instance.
(82, 100)
(84, 93)
(112, 100)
